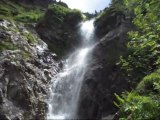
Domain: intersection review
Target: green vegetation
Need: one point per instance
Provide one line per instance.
(57, 16)
(62, 20)
(62, 13)
(19, 12)
(134, 106)
(142, 63)
(26, 55)
(15, 13)
(143, 47)
(144, 102)
(8, 9)
(31, 16)
(150, 84)
(30, 37)
(7, 45)
(115, 6)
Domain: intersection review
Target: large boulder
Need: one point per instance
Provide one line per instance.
(104, 76)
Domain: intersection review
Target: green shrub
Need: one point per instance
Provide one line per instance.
(142, 103)
(150, 84)
(136, 107)
(31, 16)
(143, 43)
(61, 12)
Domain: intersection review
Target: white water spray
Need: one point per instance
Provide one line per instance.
(66, 86)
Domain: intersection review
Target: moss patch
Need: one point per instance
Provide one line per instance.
(30, 37)
(7, 45)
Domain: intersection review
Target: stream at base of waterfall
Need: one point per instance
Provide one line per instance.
(66, 85)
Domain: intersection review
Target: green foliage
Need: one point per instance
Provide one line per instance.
(143, 46)
(18, 12)
(7, 45)
(30, 37)
(142, 103)
(142, 62)
(8, 8)
(150, 84)
(31, 16)
(61, 12)
(138, 107)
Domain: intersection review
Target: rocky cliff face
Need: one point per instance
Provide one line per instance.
(107, 23)
(26, 68)
(104, 77)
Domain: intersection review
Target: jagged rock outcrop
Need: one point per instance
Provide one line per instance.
(109, 22)
(60, 31)
(104, 77)
(26, 68)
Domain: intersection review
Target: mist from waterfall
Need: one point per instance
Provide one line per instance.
(66, 86)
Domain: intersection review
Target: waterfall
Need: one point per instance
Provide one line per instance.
(66, 86)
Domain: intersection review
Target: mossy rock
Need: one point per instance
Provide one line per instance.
(7, 44)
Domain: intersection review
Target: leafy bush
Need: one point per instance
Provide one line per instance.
(61, 12)
(137, 107)
(143, 46)
(150, 84)
(31, 16)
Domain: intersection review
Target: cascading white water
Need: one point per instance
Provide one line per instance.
(66, 86)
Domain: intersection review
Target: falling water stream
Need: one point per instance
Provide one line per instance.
(66, 86)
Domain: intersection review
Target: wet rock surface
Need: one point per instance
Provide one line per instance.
(25, 73)
(108, 23)
(104, 77)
